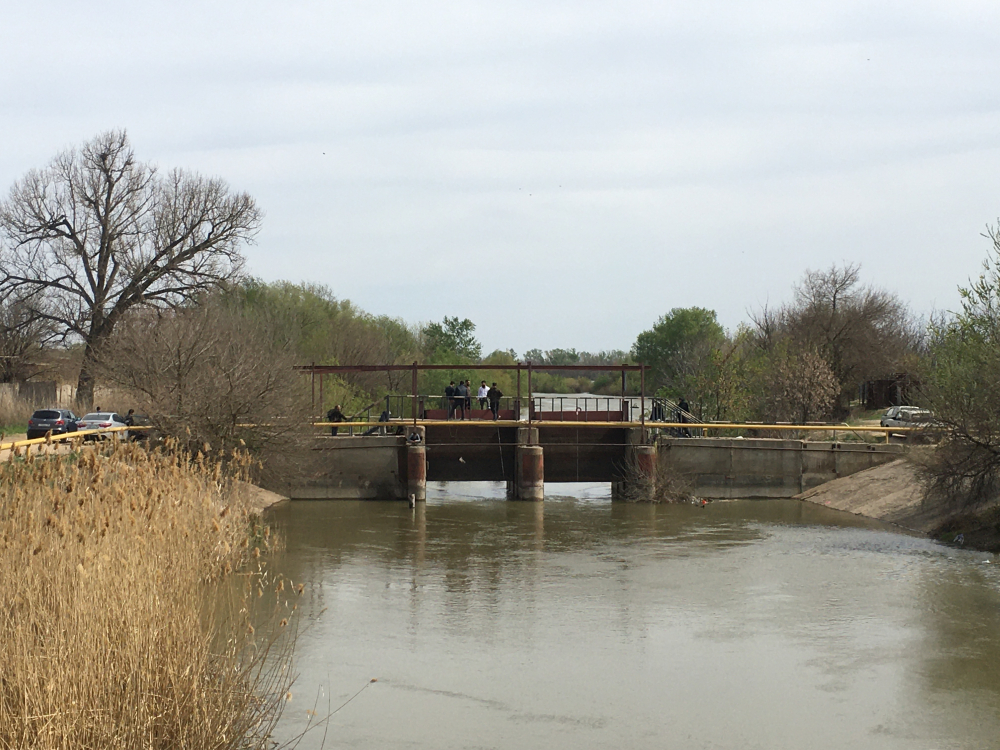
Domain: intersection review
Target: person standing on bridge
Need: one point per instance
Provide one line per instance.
(335, 415)
(682, 415)
(449, 395)
(461, 396)
(494, 395)
(481, 395)
(468, 397)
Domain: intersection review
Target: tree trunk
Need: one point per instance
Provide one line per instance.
(85, 383)
(85, 389)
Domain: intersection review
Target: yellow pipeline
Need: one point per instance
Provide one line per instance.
(514, 423)
(648, 425)
(67, 436)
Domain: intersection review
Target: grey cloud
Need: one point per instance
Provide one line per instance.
(616, 160)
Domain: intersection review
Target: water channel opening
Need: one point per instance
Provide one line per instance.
(588, 491)
(440, 491)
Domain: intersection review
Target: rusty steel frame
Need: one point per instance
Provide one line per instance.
(518, 366)
(313, 370)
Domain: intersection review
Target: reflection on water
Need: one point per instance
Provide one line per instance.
(578, 623)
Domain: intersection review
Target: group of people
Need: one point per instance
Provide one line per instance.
(337, 416)
(459, 398)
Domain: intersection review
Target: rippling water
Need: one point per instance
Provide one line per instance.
(580, 624)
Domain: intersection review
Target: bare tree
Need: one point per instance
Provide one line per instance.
(800, 387)
(209, 372)
(97, 233)
(861, 331)
(23, 335)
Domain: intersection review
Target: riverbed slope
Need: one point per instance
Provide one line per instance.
(894, 493)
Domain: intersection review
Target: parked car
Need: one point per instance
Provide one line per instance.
(58, 421)
(907, 416)
(101, 420)
(891, 414)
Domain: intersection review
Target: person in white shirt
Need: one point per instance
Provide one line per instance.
(483, 390)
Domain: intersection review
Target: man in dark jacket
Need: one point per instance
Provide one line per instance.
(682, 415)
(449, 395)
(493, 395)
(461, 396)
(335, 415)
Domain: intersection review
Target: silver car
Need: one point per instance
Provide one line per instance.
(907, 416)
(101, 420)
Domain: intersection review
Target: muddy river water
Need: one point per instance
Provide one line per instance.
(578, 623)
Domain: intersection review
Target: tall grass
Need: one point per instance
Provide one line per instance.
(130, 587)
(14, 414)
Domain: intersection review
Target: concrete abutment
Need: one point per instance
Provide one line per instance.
(738, 468)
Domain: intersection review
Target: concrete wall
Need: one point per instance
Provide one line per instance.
(30, 395)
(350, 468)
(762, 468)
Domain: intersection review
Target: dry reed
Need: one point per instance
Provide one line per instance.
(663, 485)
(130, 586)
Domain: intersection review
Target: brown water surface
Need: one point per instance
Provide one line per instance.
(581, 624)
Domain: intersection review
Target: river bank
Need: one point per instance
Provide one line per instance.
(893, 493)
(256, 498)
(148, 565)
(259, 499)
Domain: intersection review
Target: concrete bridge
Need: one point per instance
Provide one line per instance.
(526, 457)
(538, 440)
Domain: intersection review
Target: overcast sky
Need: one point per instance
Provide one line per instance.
(560, 173)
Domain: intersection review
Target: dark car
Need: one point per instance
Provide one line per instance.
(58, 421)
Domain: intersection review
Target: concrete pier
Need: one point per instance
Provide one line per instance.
(529, 467)
(416, 463)
(639, 467)
(645, 460)
(530, 473)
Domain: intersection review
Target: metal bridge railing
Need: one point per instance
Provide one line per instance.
(674, 429)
